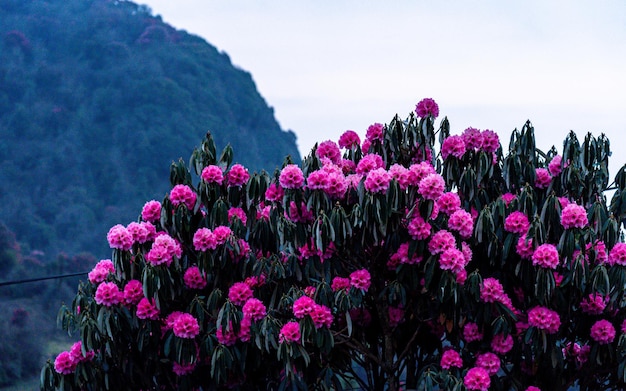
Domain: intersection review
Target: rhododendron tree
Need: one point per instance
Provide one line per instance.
(413, 259)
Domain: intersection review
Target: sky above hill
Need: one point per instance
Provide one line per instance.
(329, 66)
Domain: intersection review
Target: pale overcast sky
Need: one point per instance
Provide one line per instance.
(329, 66)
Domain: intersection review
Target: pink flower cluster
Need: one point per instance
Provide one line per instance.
(471, 332)
(328, 150)
(431, 187)
(555, 167)
(163, 251)
(490, 362)
(574, 216)
(101, 271)
(339, 283)
(462, 222)
(133, 292)
(375, 132)
(544, 319)
(65, 363)
(274, 193)
(594, 303)
(320, 314)
(193, 278)
(290, 332)
(349, 139)
(369, 162)
(449, 203)
(546, 256)
(542, 178)
(141, 232)
(451, 358)
(517, 222)
(441, 241)
(254, 309)
(147, 310)
(418, 228)
(477, 379)
(360, 279)
(119, 238)
(238, 213)
(212, 174)
(491, 290)
(452, 259)
(186, 326)
(617, 255)
(402, 257)
(239, 293)
(183, 194)
(151, 211)
(453, 146)
(491, 142)
(524, 247)
(108, 294)
(237, 175)
(330, 179)
(291, 177)
(501, 344)
(426, 107)
(603, 332)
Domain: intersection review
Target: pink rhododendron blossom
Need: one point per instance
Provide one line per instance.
(101, 271)
(147, 310)
(339, 283)
(427, 106)
(402, 257)
(119, 238)
(244, 329)
(451, 358)
(441, 241)
(238, 213)
(141, 232)
(546, 256)
(574, 216)
(212, 174)
(64, 364)
(317, 180)
(254, 309)
(303, 306)
(183, 369)
(183, 194)
(365, 147)
(508, 198)
(222, 233)
(462, 222)
(369, 162)
(617, 256)
(336, 185)
(375, 132)
(396, 316)
(460, 276)
(542, 178)
(321, 316)
(151, 211)
(501, 344)
(108, 294)
(194, 279)
(291, 177)
(431, 187)
(452, 259)
(524, 247)
(491, 142)
(360, 279)
(274, 192)
(290, 332)
(603, 332)
(227, 336)
(76, 353)
(544, 319)
(599, 249)
(453, 145)
(347, 166)
(473, 138)
(491, 290)
(594, 304)
(418, 228)
(204, 239)
(237, 175)
(299, 215)
(133, 292)
(397, 171)
(239, 293)
(471, 332)
(449, 203)
(349, 139)
(163, 251)
(328, 149)
(489, 361)
(554, 167)
(377, 180)
(419, 171)
(186, 326)
(517, 222)
(477, 379)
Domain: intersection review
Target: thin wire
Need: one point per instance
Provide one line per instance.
(17, 282)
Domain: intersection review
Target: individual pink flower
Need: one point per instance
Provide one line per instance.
(303, 306)
(274, 192)
(574, 216)
(147, 310)
(603, 332)
(431, 187)
(489, 361)
(321, 316)
(133, 292)
(491, 142)
(291, 177)
(119, 238)
(377, 181)
(237, 175)
(238, 213)
(183, 369)
(212, 174)
(108, 294)
(64, 364)
(517, 222)
(186, 326)
(617, 256)
(328, 149)
(554, 166)
(369, 162)
(594, 304)
(360, 279)
(239, 293)
(462, 222)
(501, 344)
(471, 332)
(183, 194)
(477, 379)
(101, 271)
(491, 290)
(453, 145)
(193, 278)
(544, 319)
(418, 228)
(452, 259)
(524, 247)
(163, 251)
(349, 139)
(339, 283)
(151, 211)
(427, 106)
(375, 132)
(204, 239)
(227, 336)
(449, 203)
(542, 178)
(254, 309)
(546, 256)
(290, 332)
(441, 241)
(451, 358)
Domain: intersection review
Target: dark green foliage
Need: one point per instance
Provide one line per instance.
(96, 98)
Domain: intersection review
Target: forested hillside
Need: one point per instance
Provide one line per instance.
(97, 98)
